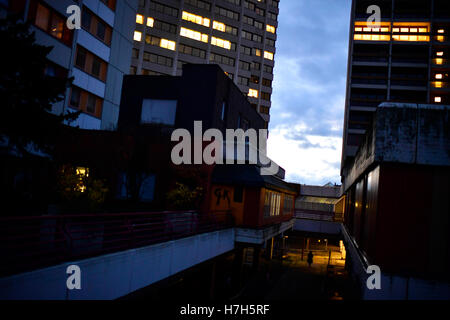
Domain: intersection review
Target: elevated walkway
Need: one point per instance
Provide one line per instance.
(117, 253)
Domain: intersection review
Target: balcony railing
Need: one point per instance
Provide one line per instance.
(317, 215)
(28, 243)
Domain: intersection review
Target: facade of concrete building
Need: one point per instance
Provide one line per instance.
(320, 203)
(405, 59)
(397, 203)
(203, 93)
(239, 35)
(97, 55)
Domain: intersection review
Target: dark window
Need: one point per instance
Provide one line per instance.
(86, 18)
(101, 30)
(75, 97)
(81, 57)
(96, 65)
(267, 82)
(254, 79)
(91, 101)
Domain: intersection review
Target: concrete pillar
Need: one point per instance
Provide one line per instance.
(271, 248)
(255, 264)
(213, 281)
(237, 267)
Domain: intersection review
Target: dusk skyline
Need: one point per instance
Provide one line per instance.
(305, 130)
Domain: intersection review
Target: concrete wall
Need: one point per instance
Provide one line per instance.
(120, 60)
(114, 275)
(393, 287)
(317, 226)
(404, 133)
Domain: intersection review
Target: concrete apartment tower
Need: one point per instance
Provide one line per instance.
(239, 35)
(405, 60)
(97, 55)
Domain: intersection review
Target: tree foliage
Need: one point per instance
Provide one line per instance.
(184, 198)
(27, 93)
(80, 191)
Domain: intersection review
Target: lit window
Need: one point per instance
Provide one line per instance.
(413, 30)
(373, 37)
(441, 31)
(150, 22)
(384, 29)
(258, 52)
(270, 28)
(221, 43)
(396, 30)
(268, 55)
(167, 44)
(440, 38)
(82, 174)
(188, 33)
(439, 61)
(253, 93)
(219, 26)
(195, 19)
(440, 53)
(139, 19)
(423, 30)
(437, 84)
(410, 38)
(438, 76)
(359, 29)
(137, 36)
(437, 99)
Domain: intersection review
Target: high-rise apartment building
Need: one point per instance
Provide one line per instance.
(239, 35)
(406, 59)
(97, 55)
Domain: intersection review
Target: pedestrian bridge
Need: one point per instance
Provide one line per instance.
(116, 253)
(317, 222)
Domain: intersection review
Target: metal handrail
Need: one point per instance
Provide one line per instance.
(33, 242)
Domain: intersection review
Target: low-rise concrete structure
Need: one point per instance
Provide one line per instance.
(397, 200)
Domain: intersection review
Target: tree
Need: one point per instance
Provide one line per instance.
(27, 93)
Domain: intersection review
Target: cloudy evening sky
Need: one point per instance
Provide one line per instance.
(310, 72)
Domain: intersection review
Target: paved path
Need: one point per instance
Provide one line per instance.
(293, 279)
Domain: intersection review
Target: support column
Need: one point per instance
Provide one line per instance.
(255, 264)
(237, 267)
(213, 281)
(271, 248)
